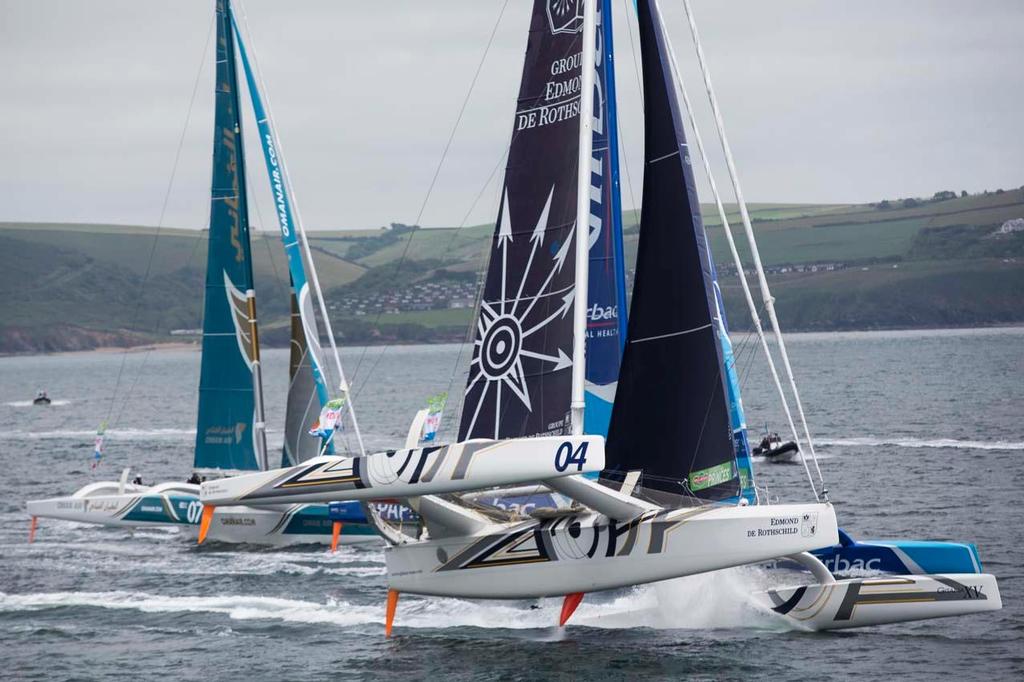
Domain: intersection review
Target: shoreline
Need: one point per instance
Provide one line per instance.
(195, 346)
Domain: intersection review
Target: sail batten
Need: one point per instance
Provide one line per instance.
(671, 414)
(230, 425)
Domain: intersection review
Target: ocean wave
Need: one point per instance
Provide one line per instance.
(874, 441)
(715, 600)
(112, 434)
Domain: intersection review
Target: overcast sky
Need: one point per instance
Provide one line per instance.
(823, 101)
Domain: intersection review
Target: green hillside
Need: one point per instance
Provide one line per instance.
(897, 263)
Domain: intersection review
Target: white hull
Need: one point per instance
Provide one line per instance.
(587, 552)
(467, 465)
(862, 602)
(174, 504)
(103, 503)
(250, 525)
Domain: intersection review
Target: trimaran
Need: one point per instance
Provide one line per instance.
(230, 433)
(675, 495)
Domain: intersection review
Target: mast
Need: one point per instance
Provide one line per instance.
(766, 296)
(579, 363)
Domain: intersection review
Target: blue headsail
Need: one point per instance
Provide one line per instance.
(744, 464)
(229, 432)
(306, 333)
(606, 319)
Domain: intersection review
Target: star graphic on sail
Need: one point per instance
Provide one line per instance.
(505, 325)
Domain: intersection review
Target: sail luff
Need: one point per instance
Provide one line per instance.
(229, 429)
(582, 236)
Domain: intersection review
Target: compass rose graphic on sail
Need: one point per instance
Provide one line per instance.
(565, 16)
(527, 297)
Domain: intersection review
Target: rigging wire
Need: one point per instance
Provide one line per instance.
(749, 230)
(680, 85)
(430, 188)
(156, 237)
(303, 240)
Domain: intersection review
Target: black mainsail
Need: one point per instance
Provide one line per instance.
(520, 378)
(671, 414)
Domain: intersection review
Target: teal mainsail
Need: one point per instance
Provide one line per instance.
(307, 372)
(230, 430)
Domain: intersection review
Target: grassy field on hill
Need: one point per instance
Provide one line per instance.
(904, 263)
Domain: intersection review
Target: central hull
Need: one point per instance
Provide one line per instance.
(588, 552)
(299, 524)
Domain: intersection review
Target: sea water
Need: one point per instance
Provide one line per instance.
(920, 435)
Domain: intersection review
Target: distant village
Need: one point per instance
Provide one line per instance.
(449, 295)
(783, 269)
(438, 295)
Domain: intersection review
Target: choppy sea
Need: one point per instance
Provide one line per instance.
(920, 435)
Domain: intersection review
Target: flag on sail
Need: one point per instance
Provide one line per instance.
(329, 420)
(435, 407)
(97, 452)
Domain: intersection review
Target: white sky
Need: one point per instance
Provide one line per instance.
(825, 101)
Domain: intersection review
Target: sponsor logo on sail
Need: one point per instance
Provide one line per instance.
(565, 16)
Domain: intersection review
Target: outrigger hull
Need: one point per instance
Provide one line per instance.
(582, 553)
(176, 507)
(146, 507)
(861, 602)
